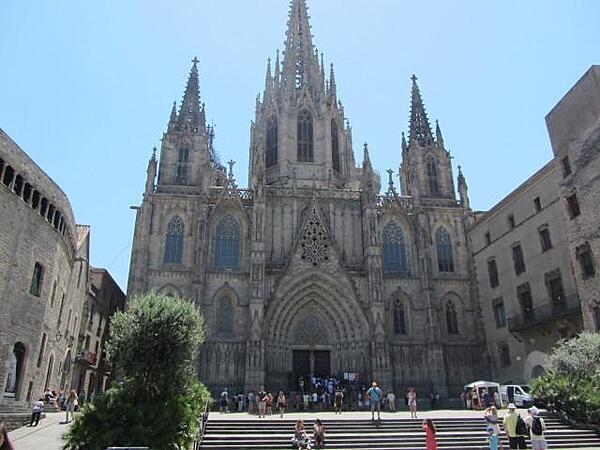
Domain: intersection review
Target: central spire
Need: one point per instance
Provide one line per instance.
(300, 64)
(191, 113)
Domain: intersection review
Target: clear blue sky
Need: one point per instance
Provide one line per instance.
(86, 87)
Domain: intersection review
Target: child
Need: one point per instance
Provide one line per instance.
(429, 429)
(493, 438)
(319, 433)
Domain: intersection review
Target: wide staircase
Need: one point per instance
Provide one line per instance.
(389, 434)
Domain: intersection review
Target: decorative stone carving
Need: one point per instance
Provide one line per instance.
(314, 239)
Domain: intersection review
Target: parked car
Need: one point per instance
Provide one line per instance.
(519, 394)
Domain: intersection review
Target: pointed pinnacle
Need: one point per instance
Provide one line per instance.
(189, 113)
(420, 130)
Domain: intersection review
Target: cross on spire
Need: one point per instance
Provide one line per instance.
(195, 60)
(231, 163)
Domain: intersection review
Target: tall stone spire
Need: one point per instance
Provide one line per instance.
(191, 114)
(420, 130)
(300, 64)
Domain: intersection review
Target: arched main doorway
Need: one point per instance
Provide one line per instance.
(314, 327)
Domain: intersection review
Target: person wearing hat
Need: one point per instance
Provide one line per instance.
(516, 437)
(536, 426)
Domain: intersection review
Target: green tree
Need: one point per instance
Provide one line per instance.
(572, 384)
(158, 401)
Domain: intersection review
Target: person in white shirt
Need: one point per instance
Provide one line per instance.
(36, 412)
(391, 398)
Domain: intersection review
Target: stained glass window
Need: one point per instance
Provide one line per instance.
(399, 317)
(432, 176)
(174, 241)
(225, 315)
(444, 251)
(394, 249)
(451, 319)
(227, 243)
(271, 144)
(305, 137)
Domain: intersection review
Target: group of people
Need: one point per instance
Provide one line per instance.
(302, 440)
(471, 399)
(517, 429)
(69, 403)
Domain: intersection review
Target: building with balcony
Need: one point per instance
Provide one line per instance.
(527, 291)
(91, 373)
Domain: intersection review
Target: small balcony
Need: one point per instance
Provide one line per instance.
(550, 311)
(86, 358)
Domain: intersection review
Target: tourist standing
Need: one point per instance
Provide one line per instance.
(70, 404)
(537, 426)
(374, 394)
(262, 402)
(412, 402)
(391, 398)
(513, 429)
(491, 422)
(224, 401)
(281, 401)
(269, 404)
(251, 401)
(429, 429)
(36, 412)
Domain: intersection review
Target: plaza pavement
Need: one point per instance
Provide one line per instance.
(46, 436)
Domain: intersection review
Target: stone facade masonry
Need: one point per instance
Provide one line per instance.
(574, 129)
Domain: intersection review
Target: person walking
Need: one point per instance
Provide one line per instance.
(513, 428)
(269, 404)
(338, 401)
(374, 394)
(429, 428)
(281, 402)
(412, 402)
(70, 403)
(537, 426)
(36, 412)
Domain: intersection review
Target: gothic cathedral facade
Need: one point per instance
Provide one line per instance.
(310, 270)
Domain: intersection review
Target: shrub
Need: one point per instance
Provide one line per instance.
(572, 384)
(159, 400)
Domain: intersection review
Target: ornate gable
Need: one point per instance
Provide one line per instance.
(314, 240)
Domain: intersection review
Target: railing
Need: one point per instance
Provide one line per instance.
(201, 428)
(552, 310)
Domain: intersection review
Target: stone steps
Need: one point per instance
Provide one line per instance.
(389, 434)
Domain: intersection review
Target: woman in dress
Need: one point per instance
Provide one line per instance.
(281, 403)
(70, 404)
(429, 429)
(412, 403)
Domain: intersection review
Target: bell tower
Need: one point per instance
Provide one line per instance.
(426, 171)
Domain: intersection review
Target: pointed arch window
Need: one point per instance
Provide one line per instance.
(305, 137)
(394, 249)
(182, 165)
(225, 315)
(271, 142)
(444, 251)
(174, 241)
(227, 243)
(451, 318)
(400, 322)
(432, 176)
(335, 146)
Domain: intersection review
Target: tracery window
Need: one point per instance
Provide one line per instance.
(174, 241)
(451, 318)
(335, 146)
(314, 240)
(400, 321)
(227, 243)
(225, 315)
(432, 176)
(394, 249)
(305, 137)
(444, 251)
(271, 142)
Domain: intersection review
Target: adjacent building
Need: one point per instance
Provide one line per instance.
(574, 129)
(46, 285)
(527, 290)
(91, 374)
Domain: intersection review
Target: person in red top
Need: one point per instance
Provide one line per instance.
(429, 429)
(269, 404)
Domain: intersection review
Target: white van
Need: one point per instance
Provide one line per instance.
(519, 394)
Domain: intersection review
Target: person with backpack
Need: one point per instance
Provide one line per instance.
(537, 426)
(374, 394)
(515, 428)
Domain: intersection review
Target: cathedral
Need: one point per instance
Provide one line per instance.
(314, 268)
